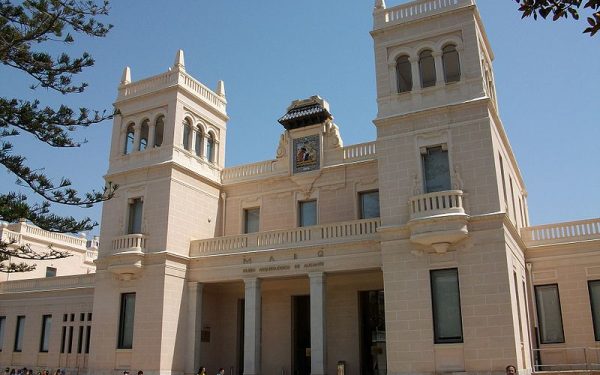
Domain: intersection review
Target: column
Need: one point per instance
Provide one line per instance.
(416, 74)
(252, 329)
(137, 134)
(439, 69)
(151, 134)
(318, 323)
(194, 322)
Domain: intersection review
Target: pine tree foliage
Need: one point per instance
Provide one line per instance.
(563, 9)
(26, 28)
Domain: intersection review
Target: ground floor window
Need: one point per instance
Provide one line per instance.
(19, 333)
(372, 333)
(549, 315)
(445, 299)
(126, 321)
(44, 340)
(594, 289)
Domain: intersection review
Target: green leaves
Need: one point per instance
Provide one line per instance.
(24, 24)
(562, 9)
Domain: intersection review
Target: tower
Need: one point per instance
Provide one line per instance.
(451, 193)
(167, 153)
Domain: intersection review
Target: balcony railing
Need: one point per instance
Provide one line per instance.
(436, 204)
(361, 151)
(130, 242)
(581, 230)
(48, 283)
(336, 232)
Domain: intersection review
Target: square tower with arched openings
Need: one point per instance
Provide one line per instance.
(448, 183)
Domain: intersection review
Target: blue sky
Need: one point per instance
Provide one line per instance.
(270, 52)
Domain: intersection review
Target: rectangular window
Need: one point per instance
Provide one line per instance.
(126, 321)
(45, 339)
(436, 169)
(503, 181)
(134, 224)
(88, 331)
(50, 271)
(445, 300)
(70, 342)
(369, 204)
(307, 213)
(89, 317)
(2, 324)
(512, 198)
(63, 337)
(19, 333)
(549, 315)
(594, 290)
(80, 340)
(251, 220)
(81, 317)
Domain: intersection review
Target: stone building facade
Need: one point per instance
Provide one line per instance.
(411, 254)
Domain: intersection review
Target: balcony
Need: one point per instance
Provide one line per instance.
(357, 230)
(416, 10)
(129, 251)
(438, 220)
(129, 243)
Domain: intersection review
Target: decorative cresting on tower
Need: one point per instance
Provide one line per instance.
(168, 137)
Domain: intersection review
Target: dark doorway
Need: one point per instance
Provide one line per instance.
(372, 333)
(301, 335)
(240, 335)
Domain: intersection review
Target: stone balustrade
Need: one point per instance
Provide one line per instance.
(361, 151)
(356, 230)
(129, 242)
(436, 204)
(171, 78)
(581, 230)
(416, 10)
(48, 283)
(22, 232)
(242, 172)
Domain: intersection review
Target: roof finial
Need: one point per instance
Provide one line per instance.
(379, 4)
(126, 76)
(179, 60)
(221, 88)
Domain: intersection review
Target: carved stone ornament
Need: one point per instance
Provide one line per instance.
(333, 133)
(417, 188)
(283, 145)
(457, 182)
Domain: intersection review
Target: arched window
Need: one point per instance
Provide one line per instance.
(144, 135)
(403, 74)
(210, 147)
(451, 63)
(159, 131)
(427, 68)
(129, 137)
(198, 145)
(187, 131)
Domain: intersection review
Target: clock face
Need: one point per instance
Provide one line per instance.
(306, 153)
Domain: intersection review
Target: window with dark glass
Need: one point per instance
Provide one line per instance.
(144, 130)
(210, 147)
(159, 131)
(88, 332)
(19, 333)
(445, 300)
(451, 63)
(369, 204)
(307, 213)
(187, 131)
(80, 340)
(126, 321)
(594, 290)
(549, 314)
(436, 169)
(403, 74)
(134, 224)
(70, 340)
(427, 69)
(198, 144)
(129, 138)
(251, 220)
(45, 338)
(50, 271)
(63, 337)
(2, 324)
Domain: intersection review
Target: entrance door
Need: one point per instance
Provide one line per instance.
(372, 333)
(301, 335)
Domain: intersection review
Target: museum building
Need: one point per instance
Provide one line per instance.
(410, 254)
